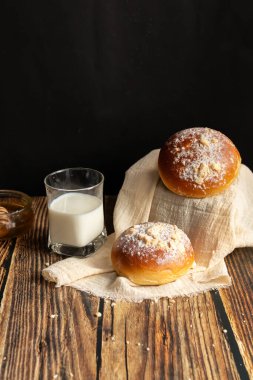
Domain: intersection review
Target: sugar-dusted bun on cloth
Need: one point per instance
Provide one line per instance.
(198, 162)
(152, 253)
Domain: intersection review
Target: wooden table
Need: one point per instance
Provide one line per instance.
(54, 333)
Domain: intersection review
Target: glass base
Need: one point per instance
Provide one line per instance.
(69, 250)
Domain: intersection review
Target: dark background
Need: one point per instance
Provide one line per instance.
(101, 83)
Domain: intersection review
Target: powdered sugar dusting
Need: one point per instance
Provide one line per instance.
(154, 241)
(198, 154)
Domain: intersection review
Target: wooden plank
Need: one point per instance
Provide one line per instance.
(45, 333)
(238, 303)
(50, 333)
(165, 340)
(6, 250)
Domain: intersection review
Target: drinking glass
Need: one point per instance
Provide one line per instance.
(75, 211)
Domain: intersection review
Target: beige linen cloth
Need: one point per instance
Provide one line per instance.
(215, 225)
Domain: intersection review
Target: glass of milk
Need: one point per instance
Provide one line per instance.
(75, 211)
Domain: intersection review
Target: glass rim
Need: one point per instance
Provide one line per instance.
(73, 190)
(5, 193)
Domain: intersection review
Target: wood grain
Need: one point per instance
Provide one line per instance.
(41, 326)
(165, 340)
(238, 302)
(56, 333)
(6, 250)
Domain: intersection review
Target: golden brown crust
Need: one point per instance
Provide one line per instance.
(198, 162)
(152, 253)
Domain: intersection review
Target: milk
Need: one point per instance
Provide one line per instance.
(75, 219)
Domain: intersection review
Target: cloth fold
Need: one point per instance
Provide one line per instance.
(215, 225)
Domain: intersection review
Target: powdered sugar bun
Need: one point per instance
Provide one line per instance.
(198, 162)
(152, 253)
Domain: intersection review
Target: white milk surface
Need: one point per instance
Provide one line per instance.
(75, 219)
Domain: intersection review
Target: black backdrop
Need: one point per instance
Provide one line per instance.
(101, 83)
